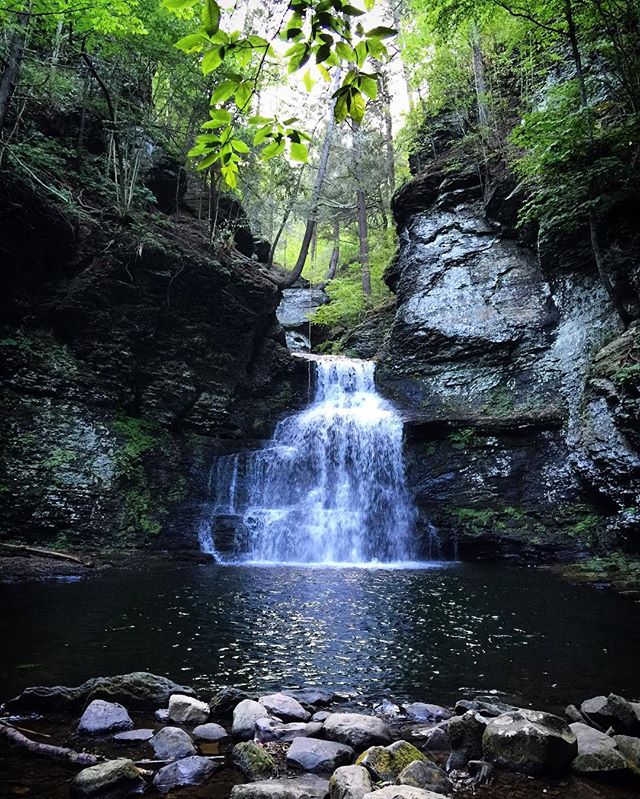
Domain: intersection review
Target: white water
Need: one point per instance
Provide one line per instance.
(329, 488)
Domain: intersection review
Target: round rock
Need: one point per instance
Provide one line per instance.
(192, 770)
(284, 707)
(102, 717)
(209, 732)
(310, 754)
(356, 730)
(253, 760)
(172, 743)
(115, 779)
(386, 762)
(187, 710)
(350, 782)
(245, 715)
(133, 736)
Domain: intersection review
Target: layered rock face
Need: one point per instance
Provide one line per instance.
(129, 357)
(521, 435)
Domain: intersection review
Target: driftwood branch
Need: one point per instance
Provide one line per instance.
(17, 740)
(49, 553)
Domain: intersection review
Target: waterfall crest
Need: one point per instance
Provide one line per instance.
(330, 485)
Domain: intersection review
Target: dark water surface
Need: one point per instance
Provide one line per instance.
(428, 634)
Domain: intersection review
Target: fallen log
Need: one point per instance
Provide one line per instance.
(48, 553)
(17, 740)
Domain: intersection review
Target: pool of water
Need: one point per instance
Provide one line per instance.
(430, 634)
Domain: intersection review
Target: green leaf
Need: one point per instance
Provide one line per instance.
(352, 11)
(258, 120)
(356, 107)
(220, 115)
(381, 32)
(369, 87)
(369, 4)
(243, 55)
(207, 162)
(178, 5)
(376, 48)
(299, 152)
(224, 91)
(308, 81)
(324, 72)
(212, 60)
(361, 53)
(210, 16)
(243, 94)
(262, 135)
(345, 51)
(191, 43)
(322, 53)
(239, 146)
(341, 109)
(273, 149)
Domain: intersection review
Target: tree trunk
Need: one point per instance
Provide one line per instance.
(388, 133)
(361, 202)
(397, 24)
(11, 73)
(479, 78)
(285, 218)
(312, 219)
(17, 740)
(335, 253)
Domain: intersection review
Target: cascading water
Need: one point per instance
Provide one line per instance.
(330, 486)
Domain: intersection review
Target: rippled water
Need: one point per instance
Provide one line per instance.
(405, 633)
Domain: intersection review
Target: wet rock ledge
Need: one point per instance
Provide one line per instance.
(140, 733)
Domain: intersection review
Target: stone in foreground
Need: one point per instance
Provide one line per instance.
(274, 730)
(187, 710)
(386, 762)
(253, 761)
(134, 736)
(103, 717)
(350, 782)
(612, 711)
(630, 748)
(245, 716)
(597, 752)
(113, 779)
(423, 711)
(356, 730)
(284, 707)
(192, 770)
(225, 701)
(402, 792)
(465, 737)
(310, 754)
(209, 732)
(425, 774)
(172, 743)
(307, 787)
(530, 742)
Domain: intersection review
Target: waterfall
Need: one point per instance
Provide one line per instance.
(330, 485)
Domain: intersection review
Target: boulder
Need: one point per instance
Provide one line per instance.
(386, 708)
(245, 715)
(435, 738)
(310, 754)
(209, 732)
(350, 782)
(172, 743)
(486, 706)
(102, 717)
(630, 748)
(224, 702)
(386, 762)
(253, 761)
(425, 774)
(307, 787)
(312, 696)
(192, 770)
(465, 738)
(133, 736)
(187, 710)
(110, 780)
(136, 690)
(356, 730)
(321, 716)
(284, 707)
(422, 711)
(273, 730)
(529, 741)
(402, 792)
(612, 711)
(597, 752)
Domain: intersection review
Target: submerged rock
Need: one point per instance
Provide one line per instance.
(245, 715)
(310, 754)
(402, 792)
(423, 711)
(306, 787)
(140, 689)
(386, 762)
(102, 717)
(187, 710)
(425, 774)
(253, 760)
(356, 730)
(273, 730)
(312, 696)
(111, 780)
(350, 782)
(172, 743)
(192, 770)
(209, 732)
(133, 736)
(284, 707)
(530, 741)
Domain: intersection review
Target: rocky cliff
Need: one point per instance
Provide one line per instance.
(131, 353)
(518, 380)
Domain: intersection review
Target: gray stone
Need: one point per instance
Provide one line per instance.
(245, 715)
(269, 729)
(312, 696)
(133, 736)
(402, 792)
(356, 730)
(253, 760)
(310, 754)
(465, 739)
(386, 708)
(192, 770)
(172, 743)
(630, 749)
(307, 787)
(321, 716)
(422, 711)
(102, 717)
(612, 711)
(435, 738)
(114, 779)
(350, 782)
(284, 707)
(225, 701)
(425, 774)
(162, 715)
(485, 706)
(209, 732)
(597, 752)
(386, 762)
(529, 741)
(187, 710)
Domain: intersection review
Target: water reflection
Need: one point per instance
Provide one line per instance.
(420, 634)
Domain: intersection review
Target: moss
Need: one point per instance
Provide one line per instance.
(628, 375)
(60, 457)
(253, 760)
(386, 762)
(619, 570)
(462, 439)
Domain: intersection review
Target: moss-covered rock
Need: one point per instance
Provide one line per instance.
(253, 760)
(386, 762)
